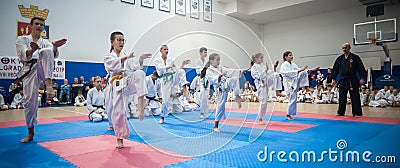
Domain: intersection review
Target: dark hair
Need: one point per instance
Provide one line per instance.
(36, 18)
(112, 38)
(203, 72)
(375, 88)
(202, 49)
(156, 74)
(285, 54)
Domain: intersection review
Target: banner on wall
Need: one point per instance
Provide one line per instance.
(24, 28)
(10, 66)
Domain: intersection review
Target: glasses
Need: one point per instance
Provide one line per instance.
(121, 40)
(98, 81)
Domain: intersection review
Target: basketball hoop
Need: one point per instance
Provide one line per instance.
(372, 40)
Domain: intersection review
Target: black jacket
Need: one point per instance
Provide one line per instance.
(348, 69)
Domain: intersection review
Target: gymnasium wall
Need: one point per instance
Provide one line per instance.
(316, 40)
(88, 24)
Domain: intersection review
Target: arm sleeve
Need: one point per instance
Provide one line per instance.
(113, 64)
(335, 69)
(22, 47)
(48, 44)
(132, 64)
(360, 68)
(286, 71)
(89, 100)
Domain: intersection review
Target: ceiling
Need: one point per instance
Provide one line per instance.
(267, 11)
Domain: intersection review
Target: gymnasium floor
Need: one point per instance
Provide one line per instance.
(316, 138)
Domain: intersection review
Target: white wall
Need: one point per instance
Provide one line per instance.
(87, 25)
(316, 40)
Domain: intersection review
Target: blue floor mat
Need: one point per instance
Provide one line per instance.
(186, 134)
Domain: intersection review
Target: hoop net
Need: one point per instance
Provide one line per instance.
(372, 40)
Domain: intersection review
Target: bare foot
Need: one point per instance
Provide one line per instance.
(216, 129)
(120, 143)
(141, 116)
(260, 122)
(201, 116)
(161, 121)
(27, 138)
(237, 99)
(110, 129)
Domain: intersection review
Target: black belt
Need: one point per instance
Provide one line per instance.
(151, 98)
(98, 106)
(90, 118)
(14, 84)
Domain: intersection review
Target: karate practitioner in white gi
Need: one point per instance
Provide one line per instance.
(96, 98)
(199, 65)
(126, 78)
(39, 54)
(264, 79)
(153, 88)
(293, 79)
(223, 79)
(170, 76)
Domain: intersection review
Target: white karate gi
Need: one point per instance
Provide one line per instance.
(171, 80)
(153, 88)
(17, 99)
(331, 96)
(227, 82)
(204, 87)
(3, 105)
(198, 65)
(393, 98)
(197, 93)
(40, 71)
(96, 100)
(378, 99)
(108, 103)
(292, 81)
(120, 89)
(264, 79)
(319, 97)
(80, 101)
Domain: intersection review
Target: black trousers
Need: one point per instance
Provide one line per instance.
(354, 98)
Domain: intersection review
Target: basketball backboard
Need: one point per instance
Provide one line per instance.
(381, 30)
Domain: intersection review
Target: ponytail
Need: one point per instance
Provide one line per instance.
(252, 61)
(285, 54)
(204, 70)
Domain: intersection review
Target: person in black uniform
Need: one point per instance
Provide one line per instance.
(347, 66)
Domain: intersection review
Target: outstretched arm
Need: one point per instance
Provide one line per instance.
(57, 44)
